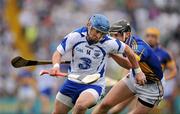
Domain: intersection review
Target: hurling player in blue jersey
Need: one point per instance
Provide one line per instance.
(151, 92)
(90, 47)
(152, 36)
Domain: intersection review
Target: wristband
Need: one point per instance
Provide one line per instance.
(56, 65)
(137, 70)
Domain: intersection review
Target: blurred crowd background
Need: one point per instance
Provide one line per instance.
(33, 29)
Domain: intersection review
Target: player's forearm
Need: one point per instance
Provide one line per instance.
(169, 76)
(121, 61)
(56, 58)
(131, 56)
(172, 73)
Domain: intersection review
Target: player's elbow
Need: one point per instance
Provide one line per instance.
(175, 69)
(106, 105)
(174, 72)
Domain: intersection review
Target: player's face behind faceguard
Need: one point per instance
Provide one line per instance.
(118, 36)
(94, 35)
(98, 26)
(152, 36)
(120, 30)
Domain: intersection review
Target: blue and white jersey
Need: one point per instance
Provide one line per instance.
(88, 58)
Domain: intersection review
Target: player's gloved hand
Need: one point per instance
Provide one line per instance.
(140, 77)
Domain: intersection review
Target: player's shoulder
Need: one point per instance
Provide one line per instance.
(142, 46)
(106, 39)
(163, 51)
(76, 36)
(139, 42)
(136, 37)
(82, 31)
(77, 33)
(109, 41)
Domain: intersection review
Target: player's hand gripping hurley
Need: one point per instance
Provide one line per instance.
(88, 79)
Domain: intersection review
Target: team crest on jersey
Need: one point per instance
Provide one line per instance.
(97, 54)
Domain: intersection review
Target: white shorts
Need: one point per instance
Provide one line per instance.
(149, 94)
(169, 86)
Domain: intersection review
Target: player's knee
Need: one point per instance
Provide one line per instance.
(138, 112)
(113, 112)
(106, 105)
(133, 112)
(54, 112)
(80, 107)
(59, 112)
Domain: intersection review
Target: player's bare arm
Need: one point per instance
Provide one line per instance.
(172, 70)
(122, 61)
(140, 77)
(56, 58)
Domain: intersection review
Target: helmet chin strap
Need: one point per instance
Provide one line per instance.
(124, 36)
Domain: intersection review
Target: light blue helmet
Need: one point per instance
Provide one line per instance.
(100, 23)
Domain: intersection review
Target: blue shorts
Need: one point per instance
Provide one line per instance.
(71, 90)
(47, 92)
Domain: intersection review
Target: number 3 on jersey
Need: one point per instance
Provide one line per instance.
(86, 63)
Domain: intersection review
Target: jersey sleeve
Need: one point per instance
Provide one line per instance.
(67, 43)
(168, 57)
(117, 47)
